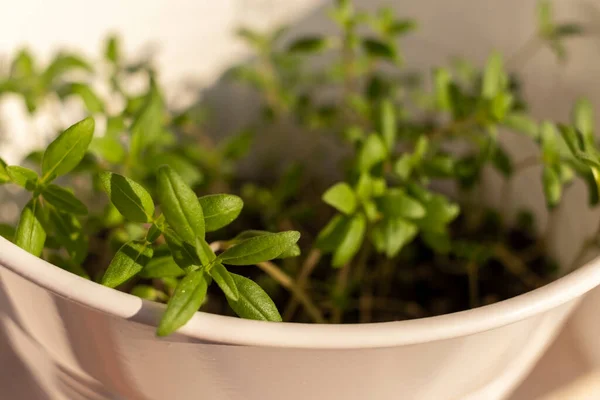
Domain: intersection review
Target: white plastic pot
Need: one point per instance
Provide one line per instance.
(93, 342)
(85, 341)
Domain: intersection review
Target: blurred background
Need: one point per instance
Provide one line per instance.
(194, 44)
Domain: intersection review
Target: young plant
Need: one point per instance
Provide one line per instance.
(379, 242)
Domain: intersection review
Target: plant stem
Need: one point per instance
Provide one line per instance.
(340, 289)
(524, 53)
(473, 272)
(451, 127)
(525, 163)
(287, 282)
(516, 266)
(301, 280)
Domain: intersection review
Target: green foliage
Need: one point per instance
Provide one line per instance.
(67, 151)
(253, 302)
(186, 300)
(168, 225)
(259, 248)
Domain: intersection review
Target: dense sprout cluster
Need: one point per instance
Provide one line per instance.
(379, 244)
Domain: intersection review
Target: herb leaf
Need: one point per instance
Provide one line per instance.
(183, 253)
(129, 197)
(186, 300)
(253, 302)
(161, 267)
(396, 203)
(220, 210)
(223, 278)
(4, 177)
(127, 263)
(341, 197)
(260, 248)
(64, 200)
(351, 242)
(30, 234)
(22, 176)
(67, 151)
(180, 205)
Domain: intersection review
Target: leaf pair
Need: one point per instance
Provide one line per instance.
(252, 302)
(60, 158)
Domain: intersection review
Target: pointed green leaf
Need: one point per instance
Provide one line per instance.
(293, 251)
(62, 64)
(67, 230)
(379, 49)
(4, 177)
(522, 123)
(341, 197)
(127, 263)
(67, 151)
(129, 197)
(112, 50)
(22, 176)
(64, 200)
(351, 242)
(396, 203)
(180, 205)
(148, 293)
(220, 210)
(391, 235)
(372, 152)
(404, 166)
(161, 267)
(109, 149)
(494, 78)
(183, 253)
(189, 172)
(253, 302)
(544, 17)
(186, 300)
(333, 233)
(311, 44)
(388, 124)
(552, 186)
(92, 102)
(583, 119)
(502, 162)
(548, 136)
(30, 234)
(260, 248)
(147, 125)
(442, 80)
(225, 281)
(568, 29)
(7, 232)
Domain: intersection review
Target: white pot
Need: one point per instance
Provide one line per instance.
(83, 340)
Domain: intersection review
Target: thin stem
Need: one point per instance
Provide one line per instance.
(452, 127)
(473, 273)
(366, 282)
(287, 282)
(301, 280)
(524, 53)
(590, 244)
(516, 266)
(340, 289)
(528, 162)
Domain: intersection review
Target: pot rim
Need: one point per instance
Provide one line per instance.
(230, 330)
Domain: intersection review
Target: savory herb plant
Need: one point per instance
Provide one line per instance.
(379, 244)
